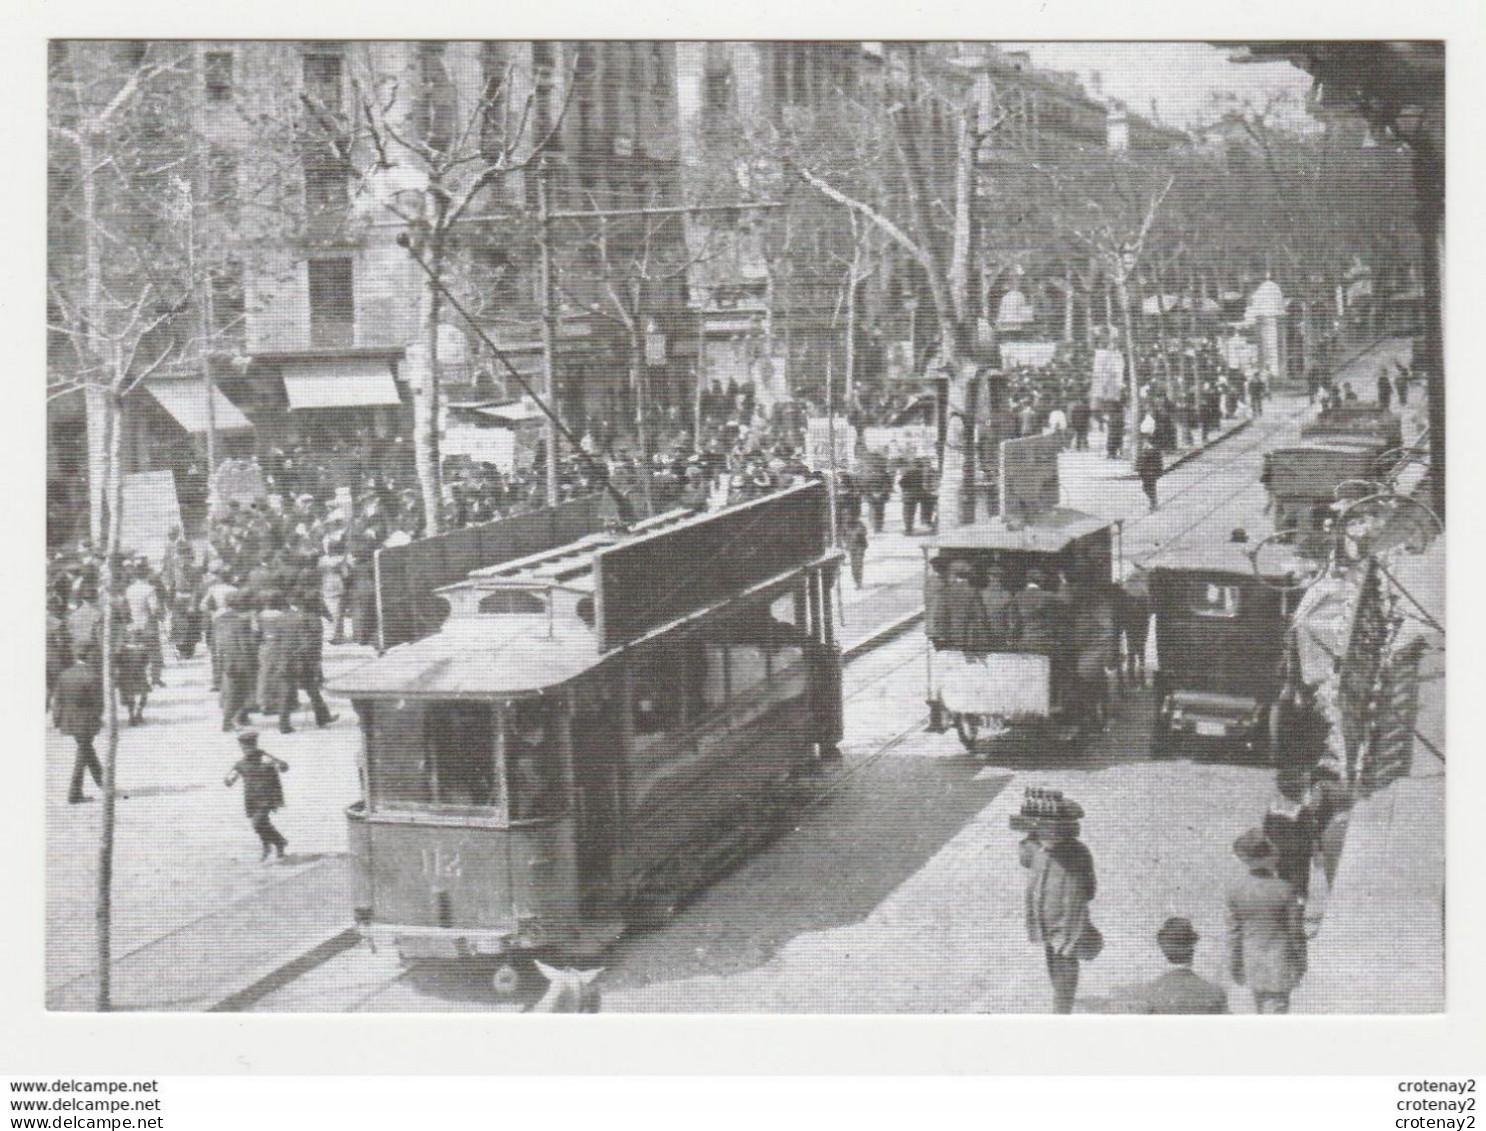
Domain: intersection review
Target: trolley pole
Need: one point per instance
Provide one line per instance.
(549, 332)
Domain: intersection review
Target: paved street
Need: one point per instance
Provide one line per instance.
(907, 867)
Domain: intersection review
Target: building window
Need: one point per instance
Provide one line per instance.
(332, 303)
(322, 80)
(218, 76)
(222, 187)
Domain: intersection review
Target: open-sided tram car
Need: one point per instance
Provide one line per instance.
(1221, 633)
(594, 732)
(988, 695)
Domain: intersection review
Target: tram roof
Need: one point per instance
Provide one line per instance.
(478, 658)
(1049, 533)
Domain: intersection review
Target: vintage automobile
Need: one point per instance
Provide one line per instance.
(1221, 632)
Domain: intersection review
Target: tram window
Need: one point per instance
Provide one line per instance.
(432, 754)
(660, 691)
(1214, 600)
(531, 760)
(398, 765)
(785, 659)
(461, 749)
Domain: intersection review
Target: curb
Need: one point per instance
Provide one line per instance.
(255, 991)
(1193, 453)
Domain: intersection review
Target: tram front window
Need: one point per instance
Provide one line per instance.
(439, 754)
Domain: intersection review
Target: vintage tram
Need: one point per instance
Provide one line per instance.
(596, 731)
(992, 675)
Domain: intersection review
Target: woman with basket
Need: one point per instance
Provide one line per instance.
(1060, 887)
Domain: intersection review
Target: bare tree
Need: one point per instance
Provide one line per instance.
(624, 270)
(440, 146)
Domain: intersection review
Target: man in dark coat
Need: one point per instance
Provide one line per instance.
(1079, 418)
(1385, 389)
(235, 646)
(306, 663)
(263, 792)
(278, 633)
(1148, 467)
(1266, 928)
(1060, 886)
(911, 485)
(1114, 434)
(77, 711)
(1180, 989)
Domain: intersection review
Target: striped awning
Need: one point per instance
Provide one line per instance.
(186, 402)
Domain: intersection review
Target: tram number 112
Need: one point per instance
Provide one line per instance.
(439, 864)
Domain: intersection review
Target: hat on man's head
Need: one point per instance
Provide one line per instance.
(248, 737)
(1253, 847)
(1177, 938)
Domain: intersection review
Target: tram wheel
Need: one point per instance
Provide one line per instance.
(968, 728)
(506, 980)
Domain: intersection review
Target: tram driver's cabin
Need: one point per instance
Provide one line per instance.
(594, 732)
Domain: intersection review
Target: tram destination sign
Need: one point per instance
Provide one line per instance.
(659, 579)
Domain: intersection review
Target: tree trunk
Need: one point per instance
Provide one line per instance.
(94, 405)
(1067, 305)
(1122, 288)
(107, 584)
(425, 381)
(637, 390)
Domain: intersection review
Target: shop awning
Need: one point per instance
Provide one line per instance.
(340, 385)
(186, 402)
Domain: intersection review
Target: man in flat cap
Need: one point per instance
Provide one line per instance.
(263, 792)
(1181, 989)
(1266, 927)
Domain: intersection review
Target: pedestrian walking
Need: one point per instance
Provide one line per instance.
(235, 647)
(1385, 389)
(306, 670)
(856, 549)
(1180, 989)
(1266, 930)
(263, 791)
(1257, 392)
(278, 634)
(77, 711)
(911, 486)
(1401, 381)
(144, 614)
(1060, 886)
(1080, 416)
(1148, 468)
(1114, 434)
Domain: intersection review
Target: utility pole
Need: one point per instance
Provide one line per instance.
(549, 329)
(196, 190)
